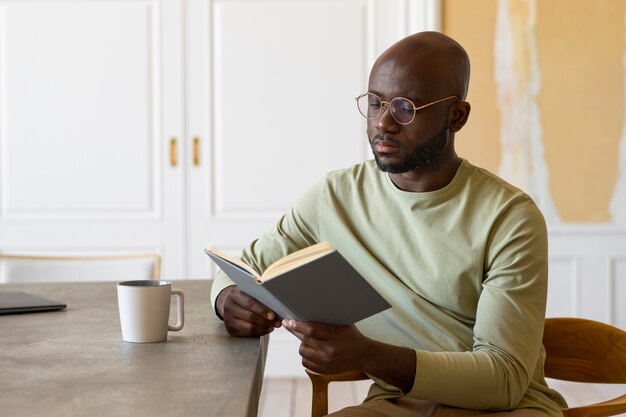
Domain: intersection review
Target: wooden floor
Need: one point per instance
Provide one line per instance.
(291, 397)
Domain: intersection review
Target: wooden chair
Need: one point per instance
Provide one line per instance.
(35, 268)
(577, 350)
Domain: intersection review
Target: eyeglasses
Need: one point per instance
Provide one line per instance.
(402, 109)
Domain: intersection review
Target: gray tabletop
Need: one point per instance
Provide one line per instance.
(74, 362)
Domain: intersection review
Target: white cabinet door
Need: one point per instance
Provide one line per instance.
(271, 88)
(90, 95)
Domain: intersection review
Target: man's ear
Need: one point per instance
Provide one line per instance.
(458, 115)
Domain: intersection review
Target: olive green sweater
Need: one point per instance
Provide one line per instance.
(464, 268)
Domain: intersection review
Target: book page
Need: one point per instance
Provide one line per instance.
(237, 262)
(295, 259)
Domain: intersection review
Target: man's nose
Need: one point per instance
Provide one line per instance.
(385, 121)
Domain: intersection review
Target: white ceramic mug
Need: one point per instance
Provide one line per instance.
(145, 309)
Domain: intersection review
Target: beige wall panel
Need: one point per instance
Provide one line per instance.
(581, 52)
(473, 25)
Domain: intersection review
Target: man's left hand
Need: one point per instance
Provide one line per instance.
(327, 349)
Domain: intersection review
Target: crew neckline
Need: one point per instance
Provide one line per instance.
(460, 173)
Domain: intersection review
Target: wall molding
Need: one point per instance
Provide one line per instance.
(613, 300)
(586, 229)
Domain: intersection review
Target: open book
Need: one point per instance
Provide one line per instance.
(314, 284)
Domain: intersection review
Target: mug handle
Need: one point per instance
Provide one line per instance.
(180, 311)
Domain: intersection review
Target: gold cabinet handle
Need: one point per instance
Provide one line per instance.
(173, 152)
(196, 151)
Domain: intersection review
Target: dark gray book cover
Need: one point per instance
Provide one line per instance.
(326, 290)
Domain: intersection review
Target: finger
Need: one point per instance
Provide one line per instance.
(312, 366)
(295, 333)
(308, 340)
(310, 352)
(238, 327)
(312, 330)
(236, 311)
(247, 308)
(311, 359)
(319, 367)
(290, 326)
(297, 326)
(251, 304)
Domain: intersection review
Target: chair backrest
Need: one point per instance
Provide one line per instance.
(34, 268)
(584, 351)
(576, 350)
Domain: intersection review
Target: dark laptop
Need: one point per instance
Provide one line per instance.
(12, 302)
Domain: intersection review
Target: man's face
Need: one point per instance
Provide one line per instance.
(422, 155)
(401, 148)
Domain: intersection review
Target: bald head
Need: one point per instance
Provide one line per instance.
(431, 59)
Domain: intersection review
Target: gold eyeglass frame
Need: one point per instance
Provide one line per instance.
(384, 105)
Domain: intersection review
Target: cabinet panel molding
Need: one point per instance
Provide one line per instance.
(285, 73)
(617, 291)
(79, 98)
(563, 286)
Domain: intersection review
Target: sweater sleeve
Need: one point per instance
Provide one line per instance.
(508, 330)
(296, 229)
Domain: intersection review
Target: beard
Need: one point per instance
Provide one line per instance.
(422, 156)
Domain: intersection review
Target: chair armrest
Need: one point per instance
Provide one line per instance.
(320, 383)
(603, 409)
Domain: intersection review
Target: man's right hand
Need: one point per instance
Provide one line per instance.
(243, 315)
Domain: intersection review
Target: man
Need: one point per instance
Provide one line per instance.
(460, 255)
